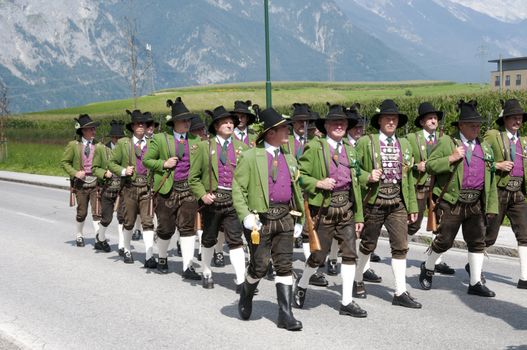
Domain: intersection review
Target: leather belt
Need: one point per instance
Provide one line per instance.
(140, 181)
(181, 186)
(113, 184)
(276, 212)
(223, 196)
(340, 199)
(514, 184)
(389, 191)
(469, 196)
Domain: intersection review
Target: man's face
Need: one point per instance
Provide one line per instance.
(388, 123)
(149, 131)
(182, 126)
(278, 135)
(513, 123)
(201, 133)
(469, 130)
(139, 129)
(429, 122)
(243, 120)
(224, 127)
(336, 129)
(356, 132)
(115, 139)
(298, 127)
(89, 133)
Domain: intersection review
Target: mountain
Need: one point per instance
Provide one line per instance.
(60, 53)
(448, 39)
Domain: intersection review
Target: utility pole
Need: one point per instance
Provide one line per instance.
(150, 65)
(482, 54)
(331, 60)
(501, 75)
(4, 112)
(268, 97)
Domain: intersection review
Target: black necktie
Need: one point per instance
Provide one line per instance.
(87, 149)
(223, 154)
(274, 169)
(429, 144)
(242, 136)
(389, 139)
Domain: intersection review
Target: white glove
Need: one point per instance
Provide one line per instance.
(298, 230)
(250, 222)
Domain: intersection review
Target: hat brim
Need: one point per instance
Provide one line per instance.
(500, 121)
(251, 118)
(303, 117)
(91, 124)
(280, 123)
(211, 128)
(417, 121)
(403, 119)
(474, 120)
(183, 116)
(319, 123)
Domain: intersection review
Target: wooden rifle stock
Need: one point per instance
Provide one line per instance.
(98, 201)
(314, 242)
(197, 222)
(431, 223)
(72, 196)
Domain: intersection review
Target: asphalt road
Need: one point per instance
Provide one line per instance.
(54, 295)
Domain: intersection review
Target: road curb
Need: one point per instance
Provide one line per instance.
(36, 183)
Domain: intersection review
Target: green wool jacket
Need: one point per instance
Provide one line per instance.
(314, 166)
(71, 160)
(250, 187)
(101, 161)
(289, 148)
(418, 143)
(439, 165)
(124, 155)
(495, 140)
(206, 154)
(162, 146)
(364, 157)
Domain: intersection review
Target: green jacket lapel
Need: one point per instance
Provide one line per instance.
(261, 168)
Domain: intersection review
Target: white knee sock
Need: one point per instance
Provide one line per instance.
(347, 273)
(80, 228)
(187, 250)
(121, 236)
(95, 226)
(148, 239)
(218, 248)
(368, 264)
(251, 280)
(199, 233)
(362, 261)
(102, 232)
(127, 238)
(237, 257)
(431, 261)
(439, 260)
(287, 280)
(522, 253)
(137, 225)
(399, 272)
(333, 252)
(206, 257)
(162, 247)
(475, 261)
(308, 272)
(307, 251)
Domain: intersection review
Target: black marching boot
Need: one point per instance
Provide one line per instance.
(245, 305)
(284, 294)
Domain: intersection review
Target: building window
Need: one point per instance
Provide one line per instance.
(497, 80)
(507, 80)
(518, 79)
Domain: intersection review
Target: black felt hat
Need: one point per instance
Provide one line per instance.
(270, 119)
(336, 112)
(423, 110)
(353, 113)
(138, 117)
(116, 129)
(510, 107)
(196, 123)
(178, 111)
(388, 107)
(219, 113)
(247, 108)
(302, 112)
(467, 113)
(84, 121)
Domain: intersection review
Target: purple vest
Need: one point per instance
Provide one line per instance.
(340, 173)
(225, 172)
(299, 148)
(279, 191)
(474, 174)
(139, 167)
(391, 158)
(517, 170)
(183, 164)
(246, 136)
(87, 161)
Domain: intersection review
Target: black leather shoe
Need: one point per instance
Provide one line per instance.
(352, 309)
(102, 245)
(218, 260)
(522, 284)
(370, 276)
(359, 291)
(299, 295)
(208, 283)
(482, 277)
(406, 300)
(270, 272)
(178, 248)
(245, 305)
(374, 257)
(191, 274)
(286, 319)
(444, 269)
(332, 267)
(137, 235)
(128, 258)
(162, 265)
(298, 242)
(199, 256)
(79, 242)
(121, 251)
(425, 277)
(319, 280)
(151, 263)
(480, 290)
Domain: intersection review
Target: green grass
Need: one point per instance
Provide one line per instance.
(34, 158)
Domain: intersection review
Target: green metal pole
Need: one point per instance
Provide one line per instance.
(268, 97)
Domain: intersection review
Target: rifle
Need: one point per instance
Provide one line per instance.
(197, 222)
(314, 242)
(72, 194)
(431, 222)
(97, 208)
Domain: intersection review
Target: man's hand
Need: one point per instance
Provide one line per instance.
(208, 198)
(412, 218)
(250, 222)
(326, 184)
(298, 230)
(358, 228)
(421, 166)
(505, 165)
(108, 174)
(457, 154)
(375, 175)
(129, 171)
(80, 174)
(170, 163)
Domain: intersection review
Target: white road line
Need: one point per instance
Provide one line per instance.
(30, 216)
